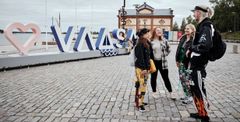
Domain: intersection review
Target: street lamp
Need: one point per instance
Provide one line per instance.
(136, 7)
(123, 14)
(46, 40)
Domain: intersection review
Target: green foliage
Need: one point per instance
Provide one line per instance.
(231, 35)
(191, 20)
(227, 15)
(183, 25)
(186, 21)
(175, 27)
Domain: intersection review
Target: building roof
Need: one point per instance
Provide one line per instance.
(154, 12)
(145, 5)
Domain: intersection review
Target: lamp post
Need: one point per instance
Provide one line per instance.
(76, 29)
(46, 40)
(123, 15)
(136, 7)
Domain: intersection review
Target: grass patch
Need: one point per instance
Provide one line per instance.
(231, 35)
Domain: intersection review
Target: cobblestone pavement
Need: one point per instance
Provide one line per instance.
(102, 90)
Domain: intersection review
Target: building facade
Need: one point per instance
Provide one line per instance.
(146, 16)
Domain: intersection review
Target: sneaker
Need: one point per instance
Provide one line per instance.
(194, 115)
(172, 96)
(205, 119)
(188, 100)
(155, 95)
(141, 108)
(183, 98)
(145, 103)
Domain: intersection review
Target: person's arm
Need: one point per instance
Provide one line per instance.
(178, 49)
(138, 52)
(205, 41)
(167, 48)
(151, 51)
(177, 56)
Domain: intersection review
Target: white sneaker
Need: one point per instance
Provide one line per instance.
(188, 100)
(183, 98)
(172, 96)
(155, 95)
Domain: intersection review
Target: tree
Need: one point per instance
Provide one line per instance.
(175, 27)
(226, 17)
(191, 20)
(183, 25)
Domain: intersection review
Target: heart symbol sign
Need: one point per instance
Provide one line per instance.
(23, 49)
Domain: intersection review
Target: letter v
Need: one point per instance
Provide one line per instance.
(63, 44)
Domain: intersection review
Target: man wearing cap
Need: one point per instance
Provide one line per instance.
(198, 62)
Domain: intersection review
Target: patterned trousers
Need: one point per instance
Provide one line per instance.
(184, 77)
(142, 84)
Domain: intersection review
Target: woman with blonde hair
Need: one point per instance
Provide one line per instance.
(183, 59)
(161, 49)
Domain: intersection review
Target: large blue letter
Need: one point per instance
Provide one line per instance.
(83, 36)
(63, 44)
(103, 40)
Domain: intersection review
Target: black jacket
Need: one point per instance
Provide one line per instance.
(186, 47)
(142, 57)
(201, 44)
(151, 50)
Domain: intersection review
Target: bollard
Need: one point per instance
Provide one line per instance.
(235, 49)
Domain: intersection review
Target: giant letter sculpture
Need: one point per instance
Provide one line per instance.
(83, 36)
(63, 44)
(116, 35)
(104, 44)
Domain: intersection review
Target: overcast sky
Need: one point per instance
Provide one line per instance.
(91, 13)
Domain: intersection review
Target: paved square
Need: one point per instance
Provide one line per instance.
(102, 90)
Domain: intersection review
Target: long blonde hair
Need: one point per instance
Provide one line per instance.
(192, 27)
(210, 12)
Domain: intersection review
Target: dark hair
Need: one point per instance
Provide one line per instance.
(141, 39)
(141, 32)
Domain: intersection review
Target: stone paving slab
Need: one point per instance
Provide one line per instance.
(101, 90)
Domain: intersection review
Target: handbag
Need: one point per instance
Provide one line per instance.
(152, 66)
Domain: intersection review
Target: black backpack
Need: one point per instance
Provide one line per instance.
(219, 47)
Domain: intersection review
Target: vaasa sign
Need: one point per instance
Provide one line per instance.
(104, 42)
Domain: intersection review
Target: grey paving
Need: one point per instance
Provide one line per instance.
(101, 90)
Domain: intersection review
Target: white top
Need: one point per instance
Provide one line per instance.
(157, 49)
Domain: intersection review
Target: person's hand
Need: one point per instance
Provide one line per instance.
(144, 72)
(137, 84)
(187, 53)
(177, 63)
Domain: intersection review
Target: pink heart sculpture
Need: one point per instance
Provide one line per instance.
(23, 49)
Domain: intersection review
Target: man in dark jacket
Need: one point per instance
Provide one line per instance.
(198, 61)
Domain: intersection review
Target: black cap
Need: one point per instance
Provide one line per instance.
(201, 7)
(142, 32)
